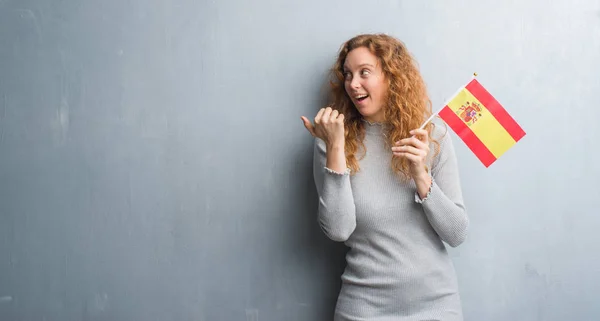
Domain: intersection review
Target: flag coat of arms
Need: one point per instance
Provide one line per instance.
(481, 122)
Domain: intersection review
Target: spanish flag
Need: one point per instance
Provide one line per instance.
(481, 122)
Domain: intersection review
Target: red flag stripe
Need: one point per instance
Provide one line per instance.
(467, 135)
(496, 109)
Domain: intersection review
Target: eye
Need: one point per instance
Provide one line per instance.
(347, 75)
(365, 72)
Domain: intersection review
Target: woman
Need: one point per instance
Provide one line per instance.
(387, 188)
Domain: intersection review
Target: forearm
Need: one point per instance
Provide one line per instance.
(440, 194)
(448, 219)
(337, 216)
(336, 158)
(336, 203)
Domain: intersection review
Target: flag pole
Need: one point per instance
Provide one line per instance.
(445, 103)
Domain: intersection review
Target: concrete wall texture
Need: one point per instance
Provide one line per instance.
(153, 165)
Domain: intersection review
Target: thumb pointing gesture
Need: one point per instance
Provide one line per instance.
(309, 126)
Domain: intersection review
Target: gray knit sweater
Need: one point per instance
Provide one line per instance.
(397, 267)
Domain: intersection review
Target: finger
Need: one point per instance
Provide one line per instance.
(341, 118)
(413, 141)
(410, 143)
(421, 145)
(409, 156)
(334, 115)
(319, 116)
(419, 131)
(421, 134)
(408, 149)
(308, 125)
(326, 114)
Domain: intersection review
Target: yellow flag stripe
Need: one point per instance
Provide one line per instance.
(486, 127)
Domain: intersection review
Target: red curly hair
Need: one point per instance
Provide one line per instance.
(408, 104)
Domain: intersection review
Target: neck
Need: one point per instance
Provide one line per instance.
(373, 121)
(377, 118)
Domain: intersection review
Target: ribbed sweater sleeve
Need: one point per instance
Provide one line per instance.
(444, 206)
(336, 213)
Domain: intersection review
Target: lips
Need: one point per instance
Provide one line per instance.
(360, 97)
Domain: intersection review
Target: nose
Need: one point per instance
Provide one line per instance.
(355, 83)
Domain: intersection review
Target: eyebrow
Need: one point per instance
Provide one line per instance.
(361, 65)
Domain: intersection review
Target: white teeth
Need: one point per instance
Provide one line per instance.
(360, 96)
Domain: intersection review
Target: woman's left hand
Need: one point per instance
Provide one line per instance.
(415, 149)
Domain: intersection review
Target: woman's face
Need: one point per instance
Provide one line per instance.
(365, 83)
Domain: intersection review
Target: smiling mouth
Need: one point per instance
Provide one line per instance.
(361, 97)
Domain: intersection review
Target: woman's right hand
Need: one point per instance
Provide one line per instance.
(329, 126)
